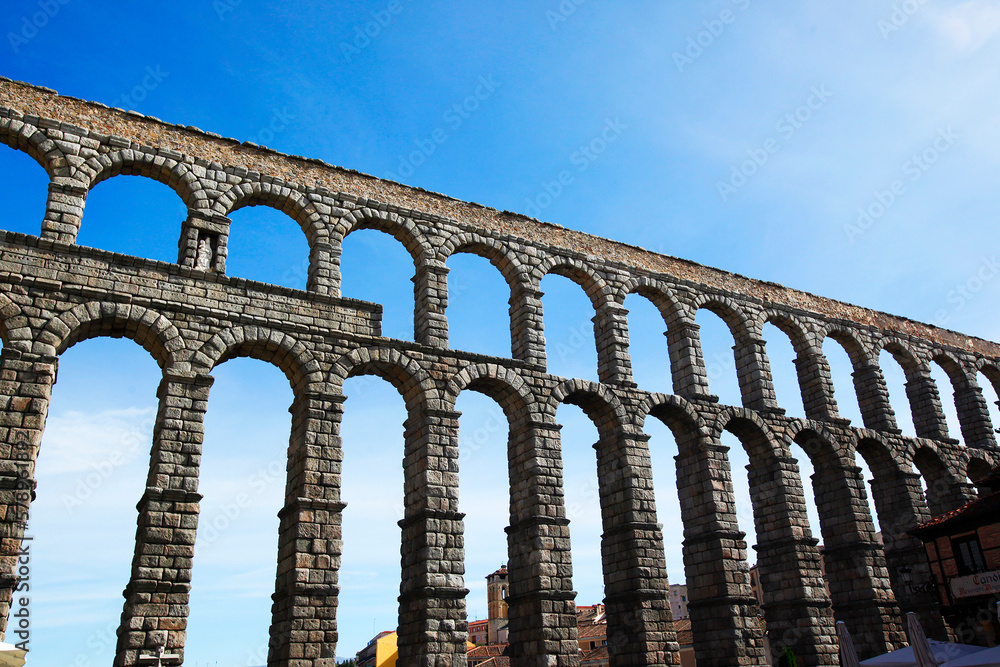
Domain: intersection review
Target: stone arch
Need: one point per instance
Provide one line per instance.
(790, 326)
(594, 286)
(294, 359)
(855, 349)
(751, 429)
(658, 292)
(818, 442)
(29, 139)
(991, 370)
(679, 415)
(878, 453)
(293, 203)
(960, 380)
(730, 312)
(176, 175)
(403, 229)
(503, 385)
(150, 329)
(978, 466)
(598, 402)
(412, 382)
(497, 252)
(940, 474)
(15, 332)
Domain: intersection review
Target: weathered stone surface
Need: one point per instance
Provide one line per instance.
(190, 316)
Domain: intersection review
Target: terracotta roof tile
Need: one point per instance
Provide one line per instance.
(598, 654)
(500, 661)
(490, 651)
(988, 508)
(683, 630)
(589, 630)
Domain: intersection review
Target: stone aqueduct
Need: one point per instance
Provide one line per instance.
(190, 317)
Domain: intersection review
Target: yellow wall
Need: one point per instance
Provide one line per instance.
(386, 651)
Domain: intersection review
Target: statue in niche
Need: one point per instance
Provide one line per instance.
(203, 260)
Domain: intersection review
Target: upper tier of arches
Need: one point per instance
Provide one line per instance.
(211, 192)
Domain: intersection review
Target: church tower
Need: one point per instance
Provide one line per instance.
(496, 599)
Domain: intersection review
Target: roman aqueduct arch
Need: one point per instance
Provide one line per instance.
(190, 317)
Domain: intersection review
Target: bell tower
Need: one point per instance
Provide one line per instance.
(496, 599)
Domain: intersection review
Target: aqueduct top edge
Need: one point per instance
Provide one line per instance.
(35, 102)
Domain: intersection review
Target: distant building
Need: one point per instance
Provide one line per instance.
(496, 605)
(481, 655)
(679, 601)
(380, 652)
(479, 632)
(963, 548)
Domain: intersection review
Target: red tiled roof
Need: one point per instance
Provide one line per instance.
(500, 661)
(976, 512)
(478, 624)
(683, 630)
(599, 654)
(490, 651)
(591, 630)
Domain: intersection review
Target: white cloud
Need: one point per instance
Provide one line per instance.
(968, 26)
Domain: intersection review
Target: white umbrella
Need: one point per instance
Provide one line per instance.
(11, 656)
(918, 641)
(848, 655)
(943, 652)
(986, 658)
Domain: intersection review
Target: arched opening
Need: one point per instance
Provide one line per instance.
(91, 471)
(267, 245)
(869, 477)
(242, 483)
(570, 346)
(583, 502)
(483, 494)
(717, 345)
(842, 375)
(133, 215)
(986, 383)
(376, 267)
(647, 345)
(781, 356)
(478, 306)
(24, 190)
(895, 382)
(372, 487)
(663, 452)
(945, 380)
(934, 480)
(977, 471)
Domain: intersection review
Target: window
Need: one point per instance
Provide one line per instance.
(968, 555)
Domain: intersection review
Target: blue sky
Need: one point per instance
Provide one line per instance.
(849, 150)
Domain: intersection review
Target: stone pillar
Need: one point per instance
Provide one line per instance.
(156, 598)
(721, 603)
(430, 298)
(614, 366)
(527, 330)
(432, 622)
(26, 381)
(797, 607)
(873, 399)
(64, 210)
(640, 626)
(974, 416)
(686, 361)
(542, 627)
(310, 541)
(854, 561)
(925, 403)
(900, 504)
(816, 386)
(324, 269)
(754, 374)
(203, 241)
